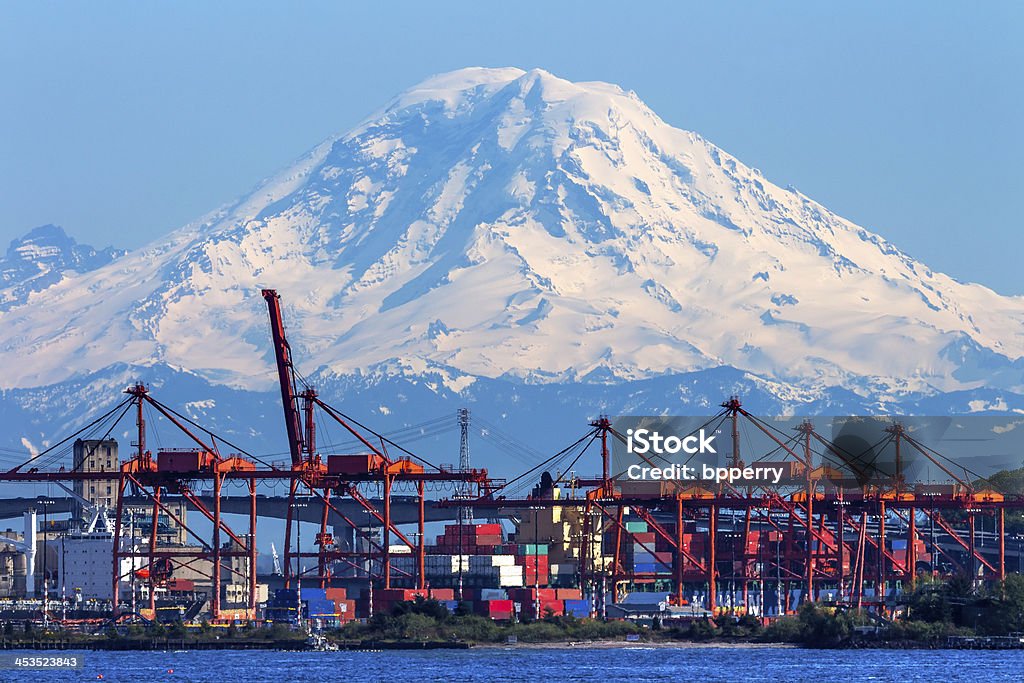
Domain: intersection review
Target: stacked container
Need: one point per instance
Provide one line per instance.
(385, 598)
(469, 539)
(283, 606)
(344, 608)
(500, 610)
(564, 574)
(527, 599)
(318, 606)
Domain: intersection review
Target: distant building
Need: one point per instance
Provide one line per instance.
(137, 521)
(236, 578)
(12, 567)
(96, 455)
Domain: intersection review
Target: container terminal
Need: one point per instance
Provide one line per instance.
(122, 543)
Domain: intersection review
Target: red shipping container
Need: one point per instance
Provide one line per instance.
(181, 585)
(345, 609)
(494, 608)
(443, 593)
(488, 539)
(556, 607)
(384, 598)
(568, 594)
(336, 594)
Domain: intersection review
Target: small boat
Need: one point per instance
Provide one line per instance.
(319, 643)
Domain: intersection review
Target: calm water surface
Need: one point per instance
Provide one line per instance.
(633, 664)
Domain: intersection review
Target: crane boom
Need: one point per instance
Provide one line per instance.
(277, 560)
(285, 374)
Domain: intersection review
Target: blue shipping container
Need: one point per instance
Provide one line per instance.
(577, 608)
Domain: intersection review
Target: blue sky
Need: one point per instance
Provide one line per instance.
(123, 121)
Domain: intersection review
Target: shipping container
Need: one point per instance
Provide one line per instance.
(495, 609)
(336, 594)
(568, 594)
(577, 608)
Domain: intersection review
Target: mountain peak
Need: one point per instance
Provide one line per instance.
(478, 89)
(41, 258)
(43, 232)
(504, 223)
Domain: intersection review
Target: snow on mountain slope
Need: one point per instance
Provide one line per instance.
(42, 258)
(496, 223)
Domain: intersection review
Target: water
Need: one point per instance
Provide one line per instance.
(534, 665)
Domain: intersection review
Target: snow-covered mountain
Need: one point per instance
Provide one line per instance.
(495, 236)
(44, 257)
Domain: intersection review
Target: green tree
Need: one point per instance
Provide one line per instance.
(177, 630)
(826, 627)
(930, 602)
(701, 629)
(784, 630)
(1006, 610)
(427, 607)
(418, 627)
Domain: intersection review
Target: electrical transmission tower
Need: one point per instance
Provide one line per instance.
(465, 514)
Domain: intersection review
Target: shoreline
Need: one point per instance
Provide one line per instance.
(641, 645)
(297, 645)
(162, 645)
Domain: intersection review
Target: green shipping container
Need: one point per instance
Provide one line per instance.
(636, 527)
